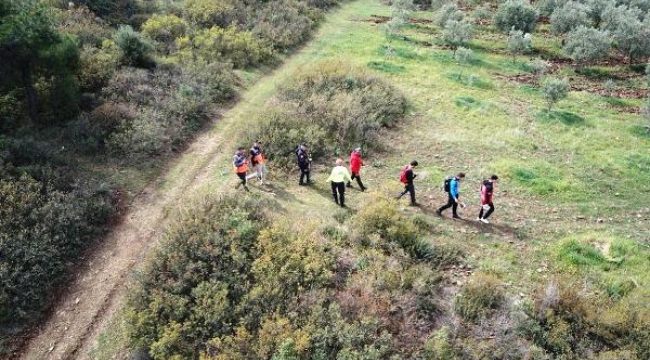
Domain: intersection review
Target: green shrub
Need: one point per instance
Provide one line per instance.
(519, 43)
(570, 16)
(134, 51)
(554, 90)
(457, 33)
(517, 14)
(449, 11)
(209, 13)
(164, 29)
(191, 287)
(41, 230)
(241, 48)
(86, 28)
(283, 23)
(96, 67)
(113, 11)
(333, 107)
(479, 298)
(587, 45)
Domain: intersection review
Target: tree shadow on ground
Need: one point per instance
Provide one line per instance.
(469, 221)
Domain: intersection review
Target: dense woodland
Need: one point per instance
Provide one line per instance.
(93, 89)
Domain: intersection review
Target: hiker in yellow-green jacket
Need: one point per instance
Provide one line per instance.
(338, 178)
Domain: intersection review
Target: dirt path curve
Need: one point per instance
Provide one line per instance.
(94, 295)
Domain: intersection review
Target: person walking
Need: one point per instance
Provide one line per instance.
(257, 160)
(406, 177)
(337, 178)
(240, 164)
(487, 190)
(304, 163)
(452, 188)
(355, 168)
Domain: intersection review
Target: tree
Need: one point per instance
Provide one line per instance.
(519, 43)
(587, 45)
(448, 12)
(596, 9)
(464, 56)
(554, 90)
(630, 35)
(401, 13)
(457, 33)
(538, 67)
(30, 46)
(569, 16)
(518, 14)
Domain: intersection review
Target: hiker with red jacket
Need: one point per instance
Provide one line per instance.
(406, 177)
(487, 191)
(355, 168)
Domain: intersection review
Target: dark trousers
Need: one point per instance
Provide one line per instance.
(304, 172)
(242, 177)
(451, 203)
(338, 192)
(408, 188)
(358, 177)
(488, 213)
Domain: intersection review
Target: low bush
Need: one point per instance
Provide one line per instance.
(96, 67)
(209, 13)
(569, 320)
(41, 229)
(481, 296)
(283, 24)
(334, 108)
(164, 29)
(240, 48)
(86, 28)
(134, 50)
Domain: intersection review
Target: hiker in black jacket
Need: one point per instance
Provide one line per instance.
(304, 163)
(406, 177)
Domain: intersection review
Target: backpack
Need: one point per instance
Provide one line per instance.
(488, 187)
(447, 184)
(402, 175)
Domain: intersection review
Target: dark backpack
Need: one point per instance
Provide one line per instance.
(447, 184)
(488, 187)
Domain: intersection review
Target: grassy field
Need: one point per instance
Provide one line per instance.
(572, 202)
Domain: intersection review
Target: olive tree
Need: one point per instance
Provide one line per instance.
(596, 9)
(401, 13)
(519, 43)
(457, 33)
(518, 14)
(585, 45)
(554, 90)
(631, 36)
(464, 56)
(538, 67)
(448, 12)
(569, 16)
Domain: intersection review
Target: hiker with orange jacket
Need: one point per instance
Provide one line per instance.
(240, 164)
(487, 192)
(406, 177)
(257, 160)
(355, 168)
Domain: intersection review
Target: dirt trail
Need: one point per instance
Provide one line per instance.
(95, 294)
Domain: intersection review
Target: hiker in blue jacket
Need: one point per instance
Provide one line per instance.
(454, 196)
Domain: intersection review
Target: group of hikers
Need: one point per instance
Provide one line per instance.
(340, 178)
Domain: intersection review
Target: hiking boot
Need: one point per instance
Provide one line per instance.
(415, 204)
(246, 188)
(362, 189)
(348, 185)
(479, 219)
(484, 221)
(439, 213)
(456, 217)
